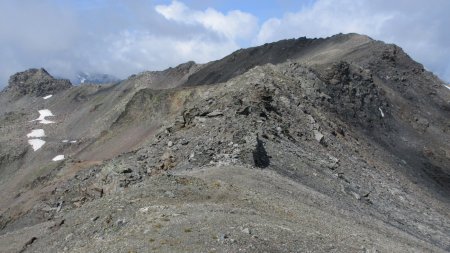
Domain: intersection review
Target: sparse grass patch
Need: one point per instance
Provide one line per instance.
(216, 184)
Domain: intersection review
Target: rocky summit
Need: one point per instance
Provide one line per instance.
(340, 144)
(36, 82)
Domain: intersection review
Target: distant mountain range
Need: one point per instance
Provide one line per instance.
(94, 78)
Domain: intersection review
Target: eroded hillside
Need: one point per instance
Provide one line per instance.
(326, 145)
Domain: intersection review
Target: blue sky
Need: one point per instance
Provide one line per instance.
(261, 9)
(123, 37)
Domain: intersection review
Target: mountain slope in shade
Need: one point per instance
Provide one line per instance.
(339, 144)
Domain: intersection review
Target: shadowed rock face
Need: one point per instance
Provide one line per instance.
(308, 145)
(352, 94)
(260, 156)
(36, 82)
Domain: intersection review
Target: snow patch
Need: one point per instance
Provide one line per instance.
(65, 141)
(36, 143)
(447, 86)
(381, 111)
(45, 122)
(48, 96)
(36, 133)
(58, 158)
(45, 113)
(42, 115)
(73, 141)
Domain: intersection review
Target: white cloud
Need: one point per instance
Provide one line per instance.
(233, 25)
(322, 19)
(137, 51)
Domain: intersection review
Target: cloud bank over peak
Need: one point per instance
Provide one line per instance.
(323, 19)
(121, 37)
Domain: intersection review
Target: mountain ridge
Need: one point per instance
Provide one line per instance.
(352, 125)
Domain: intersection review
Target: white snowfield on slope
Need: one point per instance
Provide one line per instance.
(58, 158)
(36, 133)
(42, 115)
(36, 144)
